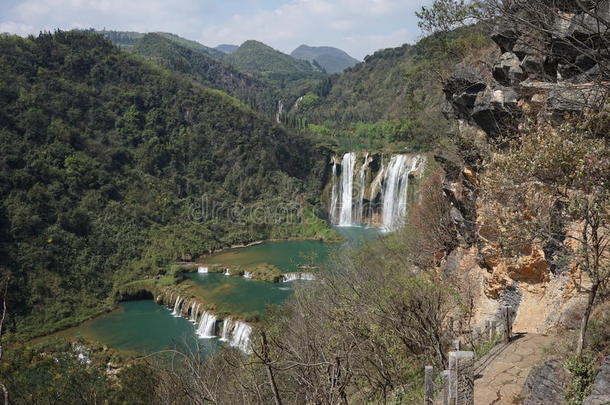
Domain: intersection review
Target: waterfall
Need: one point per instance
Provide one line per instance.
(202, 270)
(334, 199)
(247, 274)
(289, 277)
(347, 182)
(226, 272)
(361, 189)
(194, 312)
(375, 188)
(176, 311)
(394, 192)
(227, 324)
(207, 326)
(241, 336)
(280, 111)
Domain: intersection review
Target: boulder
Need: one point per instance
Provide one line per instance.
(461, 91)
(545, 384)
(508, 70)
(600, 393)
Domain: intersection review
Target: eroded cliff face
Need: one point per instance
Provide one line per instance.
(545, 81)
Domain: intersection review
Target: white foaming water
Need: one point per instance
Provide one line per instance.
(347, 182)
(207, 326)
(194, 312)
(358, 214)
(227, 326)
(202, 270)
(176, 311)
(226, 272)
(247, 274)
(394, 192)
(289, 277)
(334, 199)
(241, 336)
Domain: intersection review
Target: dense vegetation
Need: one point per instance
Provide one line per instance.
(104, 165)
(393, 98)
(206, 70)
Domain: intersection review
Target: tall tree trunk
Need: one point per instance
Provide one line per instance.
(270, 376)
(585, 319)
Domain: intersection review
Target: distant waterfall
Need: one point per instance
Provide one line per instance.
(247, 274)
(347, 182)
(207, 326)
(387, 199)
(202, 270)
(288, 277)
(334, 198)
(227, 325)
(176, 311)
(394, 192)
(241, 336)
(280, 111)
(227, 272)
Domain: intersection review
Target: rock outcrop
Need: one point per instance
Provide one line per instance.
(546, 384)
(600, 393)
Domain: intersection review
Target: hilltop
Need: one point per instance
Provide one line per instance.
(332, 60)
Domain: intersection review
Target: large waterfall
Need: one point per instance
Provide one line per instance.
(394, 193)
(347, 182)
(227, 325)
(386, 203)
(207, 326)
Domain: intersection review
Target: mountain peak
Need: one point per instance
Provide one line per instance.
(333, 60)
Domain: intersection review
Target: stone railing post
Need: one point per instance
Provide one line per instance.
(461, 378)
(476, 334)
(428, 385)
(445, 375)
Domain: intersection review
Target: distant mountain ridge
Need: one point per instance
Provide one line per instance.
(331, 59)
(257, 58)
(227, 48)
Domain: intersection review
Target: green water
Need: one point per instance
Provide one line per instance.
(290, 256)
(144, 326)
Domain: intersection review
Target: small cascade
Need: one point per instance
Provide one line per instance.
(347, 183)
(289, 277)
(241, 336)
(247, 274)
(334, 199)
(194, 312)
(202, 270)
(227, 326)
(226, 272)
(176, 311)
(361, 188)
(207, 326)
(280, 111)
(394, 192)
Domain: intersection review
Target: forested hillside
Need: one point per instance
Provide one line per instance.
(394, 97)
(206, 70)
(104, 163)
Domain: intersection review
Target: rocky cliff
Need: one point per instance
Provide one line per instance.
(534, 73)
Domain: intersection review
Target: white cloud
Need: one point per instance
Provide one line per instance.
(358, 26)
(16, 28)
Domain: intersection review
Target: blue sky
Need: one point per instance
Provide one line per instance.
(360, 27)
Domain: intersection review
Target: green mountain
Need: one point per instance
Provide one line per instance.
(226, 48)
(112, 168)
(332, 60)
(211, 72)
(126, 39)
(257, 58)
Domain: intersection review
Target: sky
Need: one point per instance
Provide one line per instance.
(360, 27)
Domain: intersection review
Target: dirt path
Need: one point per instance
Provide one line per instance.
(500, 375)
